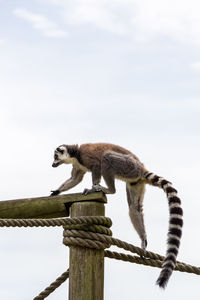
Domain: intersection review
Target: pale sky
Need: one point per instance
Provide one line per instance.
(119, 71)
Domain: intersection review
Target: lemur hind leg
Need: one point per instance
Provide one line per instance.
(119, 165)
(116, 165)
(135, 195)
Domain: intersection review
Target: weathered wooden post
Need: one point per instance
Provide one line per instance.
(86, 275)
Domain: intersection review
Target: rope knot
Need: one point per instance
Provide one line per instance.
(89, 232)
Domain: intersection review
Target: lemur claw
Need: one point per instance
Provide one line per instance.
(55, 193)
(86, 191)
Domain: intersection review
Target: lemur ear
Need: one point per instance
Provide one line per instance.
(60, 150)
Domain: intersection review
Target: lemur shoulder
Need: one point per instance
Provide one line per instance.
(110, 162)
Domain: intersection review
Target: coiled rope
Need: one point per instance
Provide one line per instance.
(94, 232)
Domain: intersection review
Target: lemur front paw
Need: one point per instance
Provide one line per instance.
(55, 193)
(86, 191)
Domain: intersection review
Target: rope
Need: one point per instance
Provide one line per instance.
(102, 241)
(181, 267)
(96, 220)
(54, 285)
(94, 232)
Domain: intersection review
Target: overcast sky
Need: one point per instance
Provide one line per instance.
(119, 71)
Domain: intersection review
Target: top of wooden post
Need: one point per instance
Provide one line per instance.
(44, 207)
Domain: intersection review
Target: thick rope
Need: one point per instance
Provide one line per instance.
(96, 220)
(94, 232)
(102, 241)
(54, 285)
(181, 267)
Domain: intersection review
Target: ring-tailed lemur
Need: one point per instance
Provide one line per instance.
(110, 162)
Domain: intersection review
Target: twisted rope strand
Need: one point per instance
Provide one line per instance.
(110, 241)
(96, 220)
(150, 262)
(54, 285)
(83, 222)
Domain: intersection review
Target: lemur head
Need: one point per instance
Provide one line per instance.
(61, 156)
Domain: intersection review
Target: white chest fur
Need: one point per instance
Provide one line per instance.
(77, 165)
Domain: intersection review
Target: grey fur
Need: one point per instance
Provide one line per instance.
(135, 196)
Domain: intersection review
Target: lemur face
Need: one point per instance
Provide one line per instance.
(61, 156)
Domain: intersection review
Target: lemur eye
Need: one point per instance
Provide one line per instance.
(55, 156)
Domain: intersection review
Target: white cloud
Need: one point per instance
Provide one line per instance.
(177, 19)
(95, 13)
(41, 23)
(144, 20)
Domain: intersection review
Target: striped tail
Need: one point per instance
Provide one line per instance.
(175, 226)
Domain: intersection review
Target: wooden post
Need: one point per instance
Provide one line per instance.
(86, 275)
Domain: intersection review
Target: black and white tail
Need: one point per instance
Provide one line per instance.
(175, 226)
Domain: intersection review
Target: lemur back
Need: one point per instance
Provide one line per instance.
(110, 162)
(91, 154)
